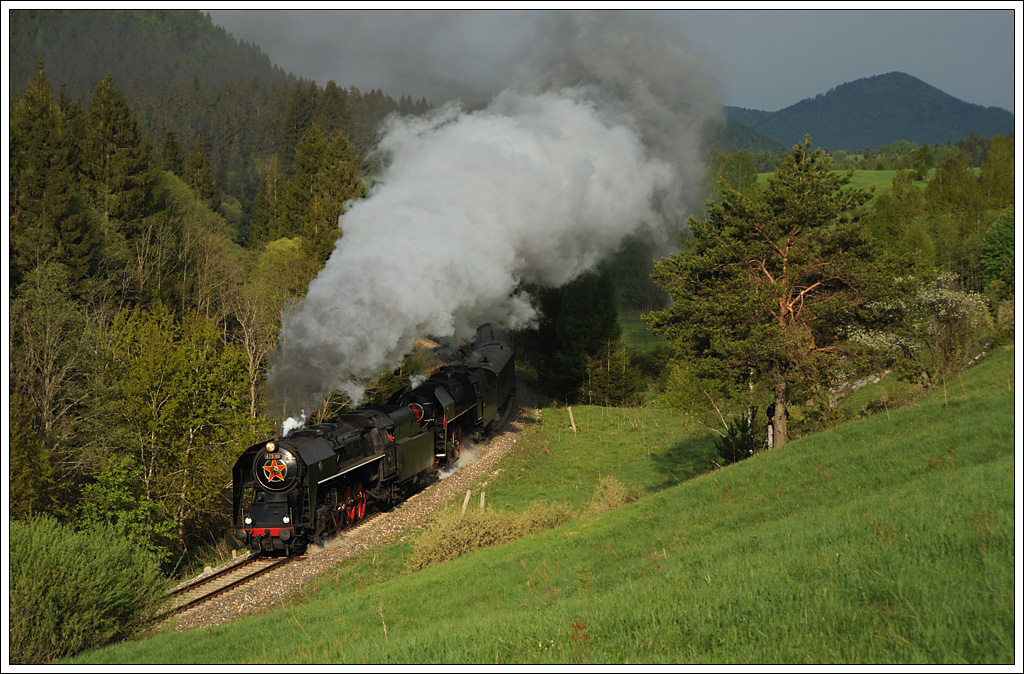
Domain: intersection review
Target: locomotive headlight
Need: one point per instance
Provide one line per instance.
(286, 519)
(248, 520)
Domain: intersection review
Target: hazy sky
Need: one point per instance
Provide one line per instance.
(764, 59)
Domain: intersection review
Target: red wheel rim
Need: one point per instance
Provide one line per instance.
(350, 508)
(360, 507)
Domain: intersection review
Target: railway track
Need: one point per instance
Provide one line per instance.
(249, 568)
(234, 575)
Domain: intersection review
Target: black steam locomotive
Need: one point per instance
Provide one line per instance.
(297, 489)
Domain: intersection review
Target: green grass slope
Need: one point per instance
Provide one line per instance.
(886, 540)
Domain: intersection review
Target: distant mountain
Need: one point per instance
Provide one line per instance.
(876, 111)
(173, 64)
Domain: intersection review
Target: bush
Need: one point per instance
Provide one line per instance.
(71, 591)
(609, 495)
(1005, 318)
(454, 533)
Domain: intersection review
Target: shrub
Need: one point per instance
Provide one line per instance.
(1005, 318)
(71, 591)
(609, 495)
(454, 533)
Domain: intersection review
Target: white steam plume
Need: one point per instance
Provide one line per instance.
(539, 187)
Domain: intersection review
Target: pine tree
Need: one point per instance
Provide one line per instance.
(198, 176)
(770, 281)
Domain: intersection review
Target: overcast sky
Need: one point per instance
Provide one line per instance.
(764, 59)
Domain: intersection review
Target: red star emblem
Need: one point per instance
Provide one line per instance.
(275, 471)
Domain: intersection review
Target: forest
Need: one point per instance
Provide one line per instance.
(159, 229)
(142, 316)
(146, 299)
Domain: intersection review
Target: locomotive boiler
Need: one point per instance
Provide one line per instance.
(293, 490)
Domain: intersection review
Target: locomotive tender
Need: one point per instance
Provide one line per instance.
(297, 489)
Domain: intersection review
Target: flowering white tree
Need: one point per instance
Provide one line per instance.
(937, 330)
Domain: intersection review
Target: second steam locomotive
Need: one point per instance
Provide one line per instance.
(294, 490)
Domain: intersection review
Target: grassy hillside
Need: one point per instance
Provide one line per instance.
(886, 540)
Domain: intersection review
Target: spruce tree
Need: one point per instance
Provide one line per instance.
(170, 153)
(297, 119)
(324, 177)
(332, 109)
(46, 222)
(116, 161)
(265, 224)
(579, 320)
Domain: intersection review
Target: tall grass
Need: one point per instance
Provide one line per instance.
(886, 540)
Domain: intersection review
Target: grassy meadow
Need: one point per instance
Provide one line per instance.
(889, 539)
(880, 180)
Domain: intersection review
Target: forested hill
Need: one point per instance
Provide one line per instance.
(182, 73)
(141, 49)
(875, 111)
(735, 134)
(177, 67)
